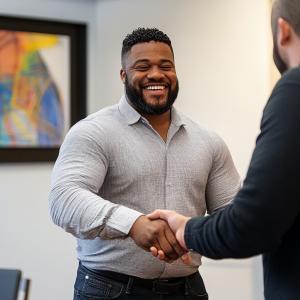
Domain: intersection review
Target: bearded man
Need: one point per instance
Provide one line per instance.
(124, 161)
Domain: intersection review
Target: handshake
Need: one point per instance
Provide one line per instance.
(162, 234)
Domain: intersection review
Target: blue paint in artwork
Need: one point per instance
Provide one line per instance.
(5, 96)
(5, 105)
(51, 112)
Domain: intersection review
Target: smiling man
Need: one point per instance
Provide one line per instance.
(150, 79)
(126, 160)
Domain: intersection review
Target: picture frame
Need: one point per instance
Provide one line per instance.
(42, 86)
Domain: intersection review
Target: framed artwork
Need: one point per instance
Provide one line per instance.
(42, 86)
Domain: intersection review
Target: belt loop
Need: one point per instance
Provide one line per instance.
(186, 287)
(129, 285)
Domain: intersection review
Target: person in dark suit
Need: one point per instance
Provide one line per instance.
(264, 217)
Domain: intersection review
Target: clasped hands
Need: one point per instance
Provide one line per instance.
(162, 233)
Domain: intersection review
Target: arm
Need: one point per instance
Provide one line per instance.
(75, 205)
(78, 174)
(267, 205)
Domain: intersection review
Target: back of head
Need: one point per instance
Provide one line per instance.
(289, 10)
(144, 35)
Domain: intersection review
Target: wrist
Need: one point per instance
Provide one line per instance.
(140, 220)
(180, 233)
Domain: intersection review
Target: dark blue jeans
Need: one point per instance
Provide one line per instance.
(91, 286)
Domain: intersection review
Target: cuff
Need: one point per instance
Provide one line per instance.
(191, 231)
(123, 218)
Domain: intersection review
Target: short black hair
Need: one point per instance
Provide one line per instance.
(143, 35)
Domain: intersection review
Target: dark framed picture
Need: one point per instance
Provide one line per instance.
(42, 86)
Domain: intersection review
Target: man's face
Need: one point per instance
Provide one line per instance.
(150, 78)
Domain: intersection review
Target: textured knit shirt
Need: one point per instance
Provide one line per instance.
(113, 167)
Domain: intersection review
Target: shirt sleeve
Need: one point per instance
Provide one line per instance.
(78, 174)
(224, 181)
(267, 206)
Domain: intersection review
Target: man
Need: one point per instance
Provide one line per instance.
(265, 215)
(123, 162)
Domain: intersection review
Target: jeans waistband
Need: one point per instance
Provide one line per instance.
(158, 285)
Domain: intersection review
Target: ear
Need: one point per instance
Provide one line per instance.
(122, 75)
(284, 32)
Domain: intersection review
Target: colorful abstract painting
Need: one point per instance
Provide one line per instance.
(33, 89)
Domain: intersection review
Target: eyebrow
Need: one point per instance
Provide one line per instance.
(147, 61)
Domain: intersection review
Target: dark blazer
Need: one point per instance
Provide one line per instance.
(265, 215)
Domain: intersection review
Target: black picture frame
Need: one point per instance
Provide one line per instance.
(77, 33)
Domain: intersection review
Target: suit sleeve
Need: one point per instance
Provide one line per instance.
(267, 205)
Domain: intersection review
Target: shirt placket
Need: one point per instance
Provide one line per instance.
(173, 129)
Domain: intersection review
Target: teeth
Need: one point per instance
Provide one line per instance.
(155, 87)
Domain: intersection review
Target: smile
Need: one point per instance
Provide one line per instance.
(155, 87)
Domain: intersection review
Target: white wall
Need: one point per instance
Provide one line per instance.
(221, 52)
(28, 239)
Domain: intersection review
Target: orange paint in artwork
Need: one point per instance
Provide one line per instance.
(10, 53)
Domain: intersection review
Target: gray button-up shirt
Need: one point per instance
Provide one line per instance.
(113, 167)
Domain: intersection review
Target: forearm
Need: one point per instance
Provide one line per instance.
(255, 222)
(225, 235)
(87, 216)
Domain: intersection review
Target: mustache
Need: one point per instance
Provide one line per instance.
(156, 81)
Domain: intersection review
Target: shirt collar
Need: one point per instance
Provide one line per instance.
(132, 116)
(177, 119)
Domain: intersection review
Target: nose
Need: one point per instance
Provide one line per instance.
(155, 73)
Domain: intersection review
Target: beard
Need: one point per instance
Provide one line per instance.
(279, 63)
(136, 97)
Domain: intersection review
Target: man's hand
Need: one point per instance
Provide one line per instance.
(156, 233)
(177, 223)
